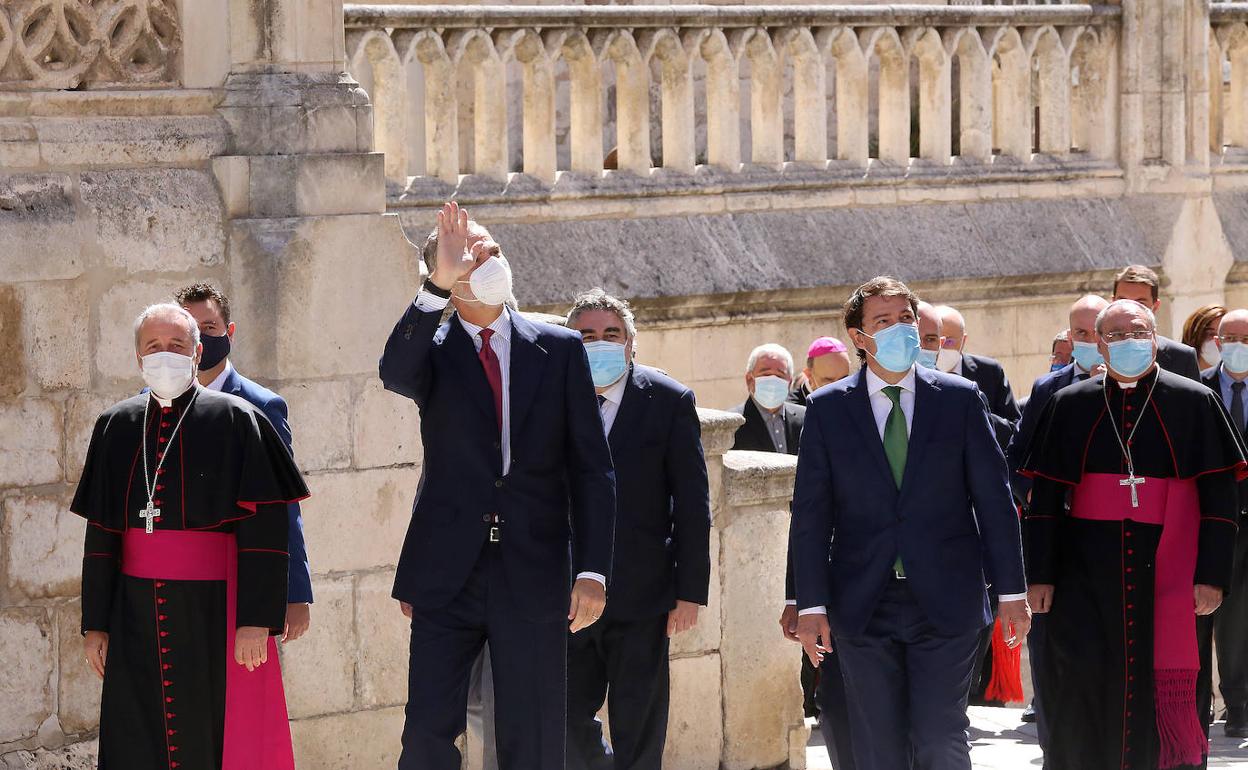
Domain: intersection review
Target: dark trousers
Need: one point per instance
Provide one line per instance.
(529, 660)
(981, 673)
(834, 721)
(907, 687)
(1036, 652)
(625, 664)
(1228, 629)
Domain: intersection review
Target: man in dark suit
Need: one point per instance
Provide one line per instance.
(211, 310)
(1086, 362)
(1228, 627)
(901, 515)
(1142, 284)
(517, 495)
(772, 424)
(662, 556)
(985, 372)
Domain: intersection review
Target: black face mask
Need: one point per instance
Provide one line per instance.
(215, 351)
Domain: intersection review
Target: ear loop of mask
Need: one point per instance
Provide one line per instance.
(462, 298)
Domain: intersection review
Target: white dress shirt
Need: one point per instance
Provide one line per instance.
(500, 343)
(612, 397)
(881, 407)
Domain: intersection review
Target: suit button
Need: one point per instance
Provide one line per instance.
(498, 483)
(485, 517)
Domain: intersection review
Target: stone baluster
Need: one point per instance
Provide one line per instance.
(632, 100)
(538, 110)
(810, 94)
(586, 96)
(1237, 98)
(852, 94)
(1054, 92)
(473, 53)
(441, 106)
(766, 92)
(1011, 89)
(723, 101)
(375, 51)
(974, 93)
(935, 106)
(894, 97)
(1093, 114)
(1217, 105)
(676, 85)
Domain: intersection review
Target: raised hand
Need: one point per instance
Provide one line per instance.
(454, 260)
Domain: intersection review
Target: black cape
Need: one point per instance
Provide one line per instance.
(1098, 678)
(227, 471)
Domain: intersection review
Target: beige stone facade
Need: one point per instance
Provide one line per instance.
(1002, 159)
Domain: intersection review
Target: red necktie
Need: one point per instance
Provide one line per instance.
(493, 373)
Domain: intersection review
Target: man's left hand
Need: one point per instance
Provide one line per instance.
(683, 618)
(1208, 599)
(298, 618)
(1015, 622)
(589, 597)
(251, 646)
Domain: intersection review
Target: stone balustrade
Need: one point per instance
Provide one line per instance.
(678, 87)
(1228, 75)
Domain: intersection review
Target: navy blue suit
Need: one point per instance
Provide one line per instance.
(905, 645)
(989, 375)
(556, 512)
(299, 575)
(663, 526)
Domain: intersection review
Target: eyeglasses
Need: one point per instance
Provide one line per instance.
(1138, 334)
(1227, 338)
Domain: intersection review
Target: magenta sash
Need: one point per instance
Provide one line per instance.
(257, 730)
(1174, 504)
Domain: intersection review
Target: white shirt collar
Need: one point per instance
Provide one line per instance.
(219, 382)
(875, 384)
(501, 325)
(615, 393)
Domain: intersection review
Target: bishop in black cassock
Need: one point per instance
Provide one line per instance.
(1133, 509)
(170, 598)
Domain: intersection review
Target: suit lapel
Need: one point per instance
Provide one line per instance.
(922, 424)
(632, 407)
(233, 383)
(757, 425)
(864, 419)
(462, 352)
(792, 434)
(527, 361)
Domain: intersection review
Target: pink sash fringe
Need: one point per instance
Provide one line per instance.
(1175, 505)
(257, 730)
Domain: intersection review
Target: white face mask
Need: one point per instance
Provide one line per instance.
(490, 282)
(1209, 351)
(168, 374)
(947, 360)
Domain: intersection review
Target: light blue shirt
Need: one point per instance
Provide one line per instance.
(1225, 380)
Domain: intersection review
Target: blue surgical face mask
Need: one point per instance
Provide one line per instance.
(897, 347)
(607, 362)
(771, 391)
(927, 358)
(1235, 357)
(1087, 355)
(1056, 367)
(1130, 358)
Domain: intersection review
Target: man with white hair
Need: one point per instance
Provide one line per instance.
(185, 493)
(1130, 535)
(771, 424)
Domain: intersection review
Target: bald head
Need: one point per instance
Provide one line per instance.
(929, 326)
(952, 324)
(1234, 324)
(1083, 317)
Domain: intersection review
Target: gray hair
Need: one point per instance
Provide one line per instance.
(597, 299)
(167, 309)
(1130, 304)
(770, 349)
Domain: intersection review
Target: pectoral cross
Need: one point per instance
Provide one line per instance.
(151, 513)
(1132, 481)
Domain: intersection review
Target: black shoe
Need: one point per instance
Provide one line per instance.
(1236, 723)
(1029, 714)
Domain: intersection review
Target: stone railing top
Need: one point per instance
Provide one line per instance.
(759, 478)
(472, 17)
(1228, 12)
(718, 430)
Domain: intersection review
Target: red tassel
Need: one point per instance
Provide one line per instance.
(1006, 684)
(1181, 738)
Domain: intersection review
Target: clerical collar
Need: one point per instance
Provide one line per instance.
(165, 403)
(1130, 385)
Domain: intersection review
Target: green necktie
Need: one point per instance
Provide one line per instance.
(896, 442)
